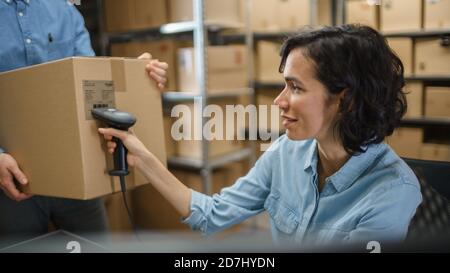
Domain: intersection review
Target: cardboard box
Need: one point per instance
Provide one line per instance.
(406, 142)
(437, 102)
(286, 15)
(164, 50)
(437, 152)
(47, 127)
(431, 57)
(414, 99)
(124, 15)
(152, 211)
(436, 14)
(401, 15)
(292, 14)
(171, 144)
(360, 12)
(262, 14)
(216, 11)
(267, 61)
(118, 220)
(226, 67)
(191, 148)
(403, 47)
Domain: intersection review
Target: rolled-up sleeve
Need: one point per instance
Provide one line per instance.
(233, 204)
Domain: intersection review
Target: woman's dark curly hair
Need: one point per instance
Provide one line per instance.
(356, 60)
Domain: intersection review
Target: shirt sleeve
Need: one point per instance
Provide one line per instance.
(233, 204)
(82, 41)
(388, 218)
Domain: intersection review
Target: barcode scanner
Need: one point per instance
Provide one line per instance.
(122, 121)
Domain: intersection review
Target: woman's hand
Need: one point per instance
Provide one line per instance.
(137, 152)
(156, 70)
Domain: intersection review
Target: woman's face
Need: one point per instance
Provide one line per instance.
(308, 111)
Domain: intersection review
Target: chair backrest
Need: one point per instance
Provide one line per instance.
(432, 217)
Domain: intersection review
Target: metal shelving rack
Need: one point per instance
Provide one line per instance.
(199, 31)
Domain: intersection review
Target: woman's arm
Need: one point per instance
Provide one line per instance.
(165, 182)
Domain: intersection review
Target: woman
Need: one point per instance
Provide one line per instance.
(331, 177)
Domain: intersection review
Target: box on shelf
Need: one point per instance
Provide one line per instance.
(403, 47)
(191, 148)
(360, 12)
(431, 151)
(436, 14)
(401, 15)
(431, 57)
(227, 69)
(267, 61)
(163, 50)
(437, 102)
(286, 15)
(414, 99)
(406, 142)
(216, 11)
(47, 127)
(125, 15)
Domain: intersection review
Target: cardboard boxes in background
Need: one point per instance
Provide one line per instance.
(432, 57)
(437, 102)
(163, 50)
(436, 14)
(403, 47)
(216, 11)
(414, 98)
(152, 211)
(193, 148)
(406, 142)
(360, 12)
(171, 144)
(267, 61)
(401, 15)
(118, 220)
(124, 15)
(47, 127)
(285, 15)
(227, 69)
(431, 151)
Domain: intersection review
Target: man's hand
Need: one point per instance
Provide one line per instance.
(8, 171)
(156, 70)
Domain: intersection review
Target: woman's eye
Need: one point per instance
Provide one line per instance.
(296, 88)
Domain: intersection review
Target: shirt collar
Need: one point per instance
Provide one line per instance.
(355, 167)
(311, 157)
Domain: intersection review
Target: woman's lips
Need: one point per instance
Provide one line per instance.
(287, 121)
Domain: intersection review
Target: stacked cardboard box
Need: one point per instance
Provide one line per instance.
(401, 15)
(163, 50)
(406, 142)
(216, 11)
(436, 14)
(125, 15)
(437, 102)
(47, 126)
(361, 12)
(267, 61)
(227, 69)
(432, 57)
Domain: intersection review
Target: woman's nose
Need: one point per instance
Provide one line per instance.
(281, 100)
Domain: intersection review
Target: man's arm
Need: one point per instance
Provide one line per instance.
(82, 40)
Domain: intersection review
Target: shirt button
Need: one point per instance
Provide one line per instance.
(8, 1)
(20, 14)
(28, 41)
(27, 1)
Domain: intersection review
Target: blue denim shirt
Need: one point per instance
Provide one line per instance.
(38, 31)
(372, 197)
